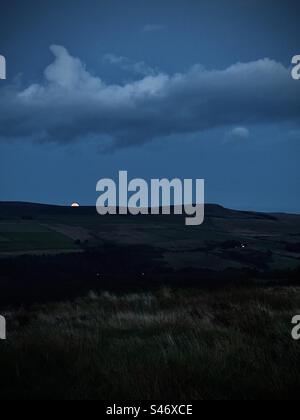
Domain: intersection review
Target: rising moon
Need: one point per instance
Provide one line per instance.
(75, 205)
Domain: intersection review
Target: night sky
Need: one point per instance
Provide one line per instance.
(168, 88)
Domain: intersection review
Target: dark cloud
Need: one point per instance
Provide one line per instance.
(72, 104)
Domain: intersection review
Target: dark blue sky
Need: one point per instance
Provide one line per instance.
(163, 88)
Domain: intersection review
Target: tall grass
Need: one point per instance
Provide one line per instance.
(230, 344)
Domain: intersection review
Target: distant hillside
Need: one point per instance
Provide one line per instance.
(227, 239)
(20, 209)
(49, 252)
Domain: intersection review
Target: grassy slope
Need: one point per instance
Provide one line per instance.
(230, 344)
(59, 228)
(19, 235)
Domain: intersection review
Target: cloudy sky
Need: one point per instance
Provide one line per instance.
(169, 88)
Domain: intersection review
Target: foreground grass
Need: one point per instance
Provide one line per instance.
(229, 344)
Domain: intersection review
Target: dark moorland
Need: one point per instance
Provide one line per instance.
(123, 307)
(50, 253)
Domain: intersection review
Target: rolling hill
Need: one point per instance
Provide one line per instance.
(228, 238)
(48, 252)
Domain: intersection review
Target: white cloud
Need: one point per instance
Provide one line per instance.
(72, 104)
(69, 72)
(240, 133)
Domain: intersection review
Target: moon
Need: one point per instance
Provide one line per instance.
(75, 205)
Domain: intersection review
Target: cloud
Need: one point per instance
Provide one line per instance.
(138, 68)
(71, 104)
(237, 133)
(153, 28)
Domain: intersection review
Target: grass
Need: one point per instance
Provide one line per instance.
(170, 344)
(29, 237)
(31, 241)
(21, 226)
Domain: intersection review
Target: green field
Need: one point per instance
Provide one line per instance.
(23, 237)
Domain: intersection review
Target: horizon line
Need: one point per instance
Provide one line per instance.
(86, 206)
